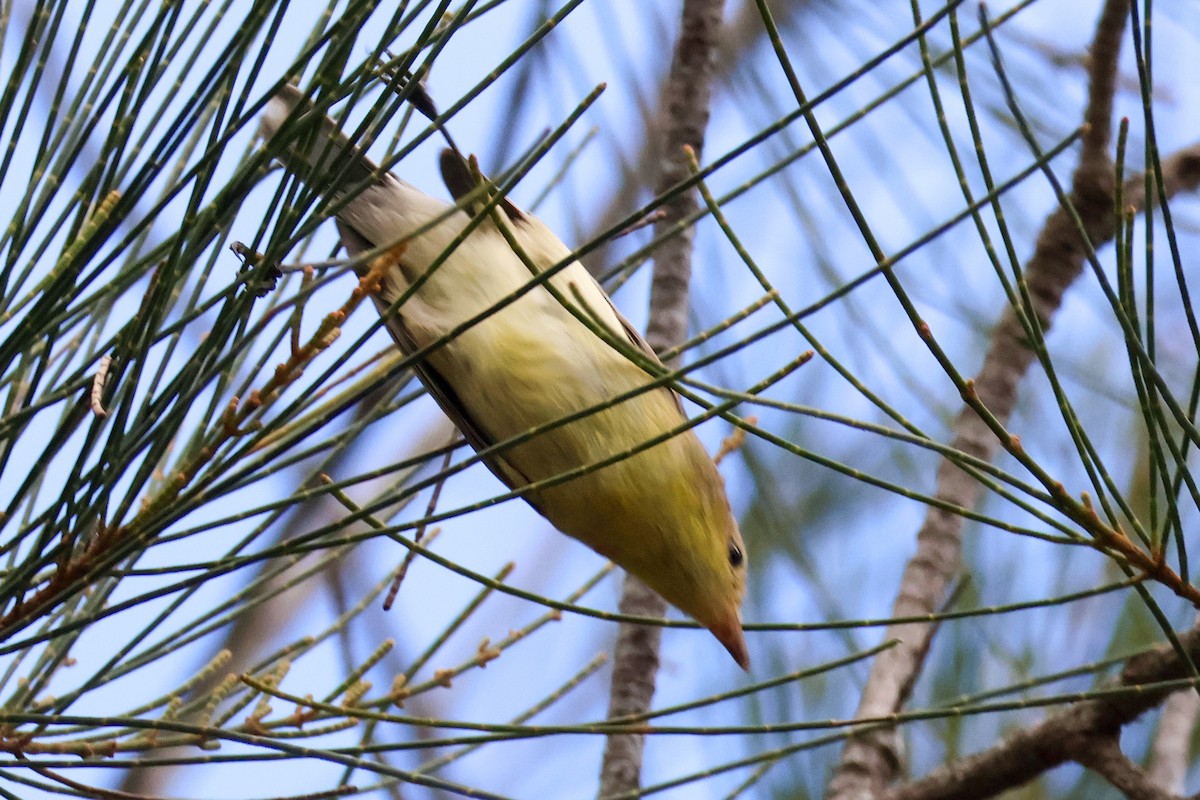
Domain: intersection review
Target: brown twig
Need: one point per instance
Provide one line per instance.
(410, 555)
(75, 571)
(96, 397)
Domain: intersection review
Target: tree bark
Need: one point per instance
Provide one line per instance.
(685, 108)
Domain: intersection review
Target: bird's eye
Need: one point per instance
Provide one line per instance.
(735, 555)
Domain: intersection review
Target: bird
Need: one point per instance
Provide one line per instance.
(662, 514)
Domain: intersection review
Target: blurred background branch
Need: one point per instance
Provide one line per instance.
(192, 586)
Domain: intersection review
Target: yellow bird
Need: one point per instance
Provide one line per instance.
(662, 513)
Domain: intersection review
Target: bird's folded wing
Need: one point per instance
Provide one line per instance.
(439, 388)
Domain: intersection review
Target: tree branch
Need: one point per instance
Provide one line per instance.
(1103, 756)
(869, 763)
(1068, 735)
(1169, 753)
(685, 106)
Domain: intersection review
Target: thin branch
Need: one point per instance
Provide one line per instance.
(1169, 752)
(871, 762)
(685, 106)
(1103, 756)
(1067, 735)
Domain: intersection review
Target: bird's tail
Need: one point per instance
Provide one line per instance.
(310, 144)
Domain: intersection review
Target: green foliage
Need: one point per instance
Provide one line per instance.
(212, 465)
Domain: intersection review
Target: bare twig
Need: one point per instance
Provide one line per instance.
(685, 106)
(871, 762)
(97, 394)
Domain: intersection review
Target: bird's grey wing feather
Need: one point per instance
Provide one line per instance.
(460, 182)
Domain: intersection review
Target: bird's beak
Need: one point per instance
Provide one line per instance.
(729, 633)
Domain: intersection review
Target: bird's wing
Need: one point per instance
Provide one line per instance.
(439, 388)
(326, 159)
(636, 339)
(460, 182)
